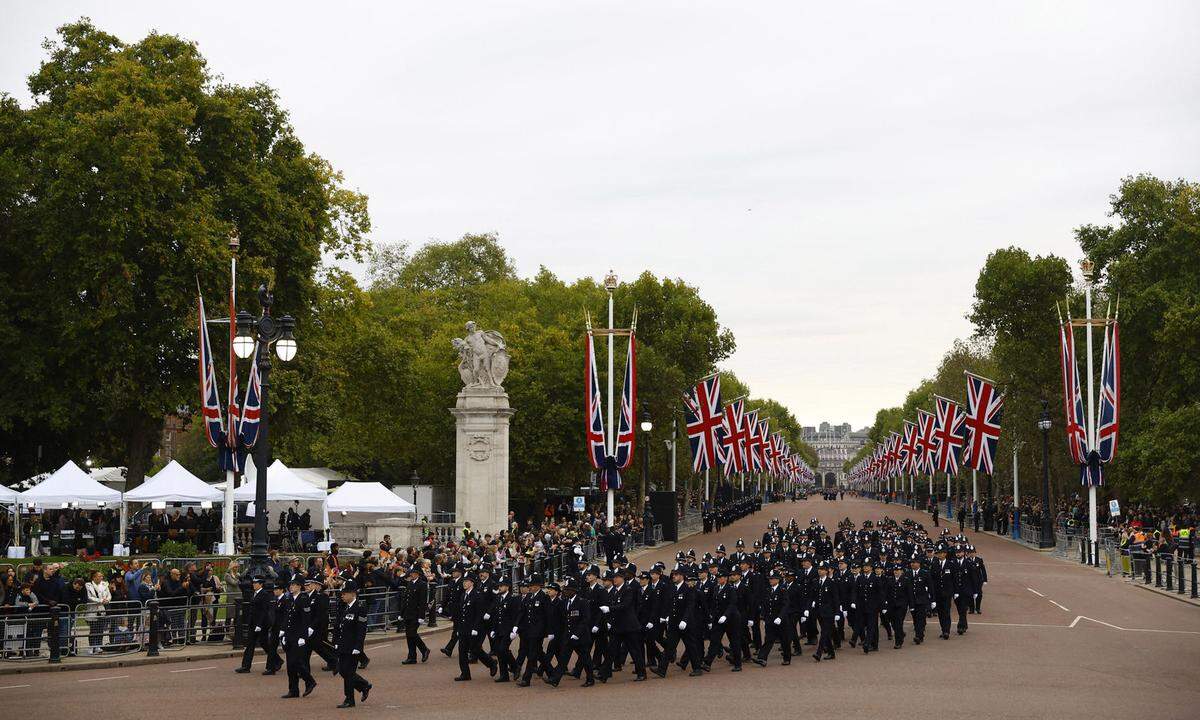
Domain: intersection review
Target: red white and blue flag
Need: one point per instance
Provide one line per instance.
(1110, 395)
(704, 420)
(984, 408)
(734, 438)
(926, 442)
(625, 432)
(754, 442)
(908, 450)
(210, 402)
(251, 414)
(1073, 402)
(948, 434)
(597, 448)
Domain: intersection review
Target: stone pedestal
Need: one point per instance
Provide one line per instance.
(481, 458)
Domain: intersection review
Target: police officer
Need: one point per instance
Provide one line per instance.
(679, 605)
(319, 601)
(775, 615)
(621, 611)
(449, 606)
(918, 580)
(941, 579)
(262, 615)
(724, 621)
(963, 587)
(469, 608)
(506, 613)
(297, 629)
(576, 629)
(412, 610)
(978, 573)
(897, 599)
(824, 608)
(532, 627)
(351, 633)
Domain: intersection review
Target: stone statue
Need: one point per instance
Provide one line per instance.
(482, 357)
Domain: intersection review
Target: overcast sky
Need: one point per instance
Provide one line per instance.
(832, 178)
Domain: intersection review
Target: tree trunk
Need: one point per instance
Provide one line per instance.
(141, 443)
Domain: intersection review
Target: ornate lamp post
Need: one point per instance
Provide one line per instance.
(1047, 535)
(647, 426)
(255, 337)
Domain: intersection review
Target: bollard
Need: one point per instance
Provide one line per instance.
(1170, 574)
(53, 639)
(1083, 551)
(239, 631)
(152, 628)
(1194, 579)
(1179, 577)
(1157, 570)
(1146, 571)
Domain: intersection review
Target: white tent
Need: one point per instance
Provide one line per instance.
(7, 496)
(174, 484)
(282, 484)
(69, 484)
(367, 497)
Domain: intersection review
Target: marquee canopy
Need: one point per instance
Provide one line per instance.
(174, 484)
(282, 484)
(367, 497)
(69, 484)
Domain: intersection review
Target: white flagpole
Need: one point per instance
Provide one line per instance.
(974, 487)
(612, 435)
(705, 484)
(1091, 410)
(674, 434)
(230, 475)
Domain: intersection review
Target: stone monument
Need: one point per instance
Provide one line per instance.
(481, 431)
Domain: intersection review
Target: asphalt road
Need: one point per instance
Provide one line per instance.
(1054, 640)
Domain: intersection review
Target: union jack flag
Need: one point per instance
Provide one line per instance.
(764, 445)
(894, 457)
(625, 432)
(949, 434)
(210, 403)
(735, 434)
(754, 442)
(1110, 395)
(703, 416)
(908, 449)
(1073, 403)
(984, 407)
(251, 413)
(777, 454)
(926, 442)
(594, 430)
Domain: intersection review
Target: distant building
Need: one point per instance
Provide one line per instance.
(835, 444)
(173, 428)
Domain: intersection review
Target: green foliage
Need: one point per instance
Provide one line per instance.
(119, 188)
(177, 549)
(76, 569)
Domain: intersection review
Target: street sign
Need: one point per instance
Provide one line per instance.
(578, 505)
(1114, 507)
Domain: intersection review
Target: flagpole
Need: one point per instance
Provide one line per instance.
(1086, 266)
(705, 484)
(610, 284)
(974, 487)
(230, 475)
(674, 434)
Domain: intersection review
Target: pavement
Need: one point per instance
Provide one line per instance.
(1055, 639)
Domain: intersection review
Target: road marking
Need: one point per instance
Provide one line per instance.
(210, 667)
(1118, 627)
(110, 677)
(12, 687)
(380, 647)
(1060, 606)
(1035, 592)
(1026, 625)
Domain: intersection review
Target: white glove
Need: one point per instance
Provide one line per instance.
(853, 606)
(549, 638)
(933, 606)
(421, 621)
(805, 615)
(778, 621)
(604, 609)
(955, 596)
(300, 642)
(649, 626)
(439, 611)
(721, 620)
(335, 647)
(355, 652)
(683, 625)
(975, 596)
(310, 632)
(663, 620)
(749, 623)
(474, 633)
(595, 629)
(512, 636)
(257, 629)
(492, 634)
(283, 639)
(487, 616)
(837, 617)
(514, 630)
(710, 626)
(574, 637)
(985, 582)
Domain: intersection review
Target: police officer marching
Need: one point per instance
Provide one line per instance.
(351, 633)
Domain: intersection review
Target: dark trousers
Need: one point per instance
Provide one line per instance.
(943, 613)
(347, 666)
(599, 651)
(963, 603)
(469, 649)
(530, 655)
(895, 620)
(918, 619)
(773, 634)
(413, 640)
(261, 639)
(714, 642)
(581, 650)
(977, 601)
(502, 649)
(630, 642)
(550, 655)
(297, 668)
(453, 638)
(870, 628)
(825, 641)
(671, 644)
(319, 645)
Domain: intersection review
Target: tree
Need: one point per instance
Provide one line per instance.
(119, 189)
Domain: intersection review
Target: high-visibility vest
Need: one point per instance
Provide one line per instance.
(1185, 533)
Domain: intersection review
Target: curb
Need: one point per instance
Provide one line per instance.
(136, 660)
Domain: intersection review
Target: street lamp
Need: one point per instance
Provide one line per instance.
(414, 480)
(647, 426)
(254, 338)
(1047, 536)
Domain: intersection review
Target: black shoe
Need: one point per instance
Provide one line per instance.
(659, 672)
(588, 683)
(409, 661)
(364, 662)
(493, 670)
(366, 691)
(961, 631)
(945, 636)
(462, 678)
(640, 677)
(817, 657)
(425, 655)
(853, 643)
(290, 695)
(522, 683)
(736, 668)
(242, 670)
(682, 665)
(265, 672)
(346, 704)
(308, 688)
(695, 673)
(787, 662)
(446, 652)
(758, 662)
(575, 673)
(503, 678)
(830, 656)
